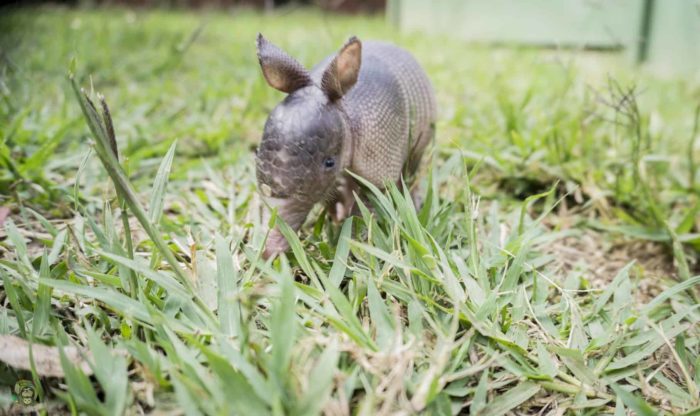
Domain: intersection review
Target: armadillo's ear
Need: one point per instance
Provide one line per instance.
(342, 72)
(281, 71)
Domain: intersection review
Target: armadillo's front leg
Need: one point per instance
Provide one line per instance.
(293, 212)
(342, 205)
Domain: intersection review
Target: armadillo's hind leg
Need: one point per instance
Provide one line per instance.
(417, 149)
(413, 164)
(418, 197)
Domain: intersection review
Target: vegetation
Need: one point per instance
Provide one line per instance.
(552, 268)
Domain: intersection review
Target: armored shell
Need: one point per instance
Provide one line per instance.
(369, 109)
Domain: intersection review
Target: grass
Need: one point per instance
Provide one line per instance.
(553, 267)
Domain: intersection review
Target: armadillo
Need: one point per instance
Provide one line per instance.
(369, 109)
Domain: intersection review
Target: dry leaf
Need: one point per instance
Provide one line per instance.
(14, 351)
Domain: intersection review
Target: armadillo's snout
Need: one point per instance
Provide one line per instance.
(292, 211)
(275, 243)
(289, 184)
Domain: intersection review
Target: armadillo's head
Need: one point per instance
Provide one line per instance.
(300, 155)
(306, 137)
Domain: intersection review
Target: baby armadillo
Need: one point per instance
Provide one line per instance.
(369, 109)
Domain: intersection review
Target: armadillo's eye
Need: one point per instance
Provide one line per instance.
(329, 162)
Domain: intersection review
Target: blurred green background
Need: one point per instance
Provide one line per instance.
(566, 212)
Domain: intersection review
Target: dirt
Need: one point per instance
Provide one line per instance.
(602, 257)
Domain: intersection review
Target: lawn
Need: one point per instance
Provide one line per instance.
(553, 267)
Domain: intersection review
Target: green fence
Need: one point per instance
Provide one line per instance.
(664, 33)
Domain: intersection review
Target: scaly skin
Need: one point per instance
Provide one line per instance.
(369, 109)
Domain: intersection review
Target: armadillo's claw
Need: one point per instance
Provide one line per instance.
(338, 213)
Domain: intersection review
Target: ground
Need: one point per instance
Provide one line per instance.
(552, 269)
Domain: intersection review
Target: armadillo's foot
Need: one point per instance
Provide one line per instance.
(335, 210)
(342, 205)
(271, 252)
(339, 211)
(275, 244)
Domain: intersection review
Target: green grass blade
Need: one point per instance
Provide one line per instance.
(322, 375)
(159, 184)
(111, 372)
(383, 322)
(335, 276)
(169, 283)
(639, 406)
(282, 330)
(13, 297)
(115, 300)
(239, 394)
(511, 399)
(124, 188)
(42, 308)
(229, 307)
